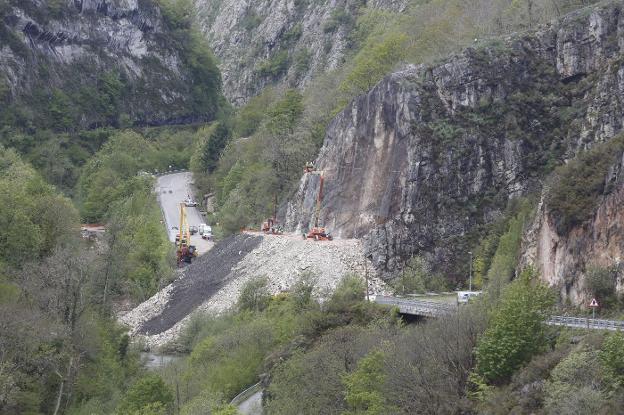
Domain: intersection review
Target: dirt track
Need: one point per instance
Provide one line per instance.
(200, 280)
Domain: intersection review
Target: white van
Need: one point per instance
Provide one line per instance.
(465, 296)
(205, 231)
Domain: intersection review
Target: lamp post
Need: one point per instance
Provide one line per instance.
(470, 274)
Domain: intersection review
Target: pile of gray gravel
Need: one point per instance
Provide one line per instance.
(214, 281)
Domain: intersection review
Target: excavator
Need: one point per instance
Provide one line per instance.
(270, 226)
(185, 252)
(318, 233)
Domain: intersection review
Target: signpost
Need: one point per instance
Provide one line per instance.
(593, 305)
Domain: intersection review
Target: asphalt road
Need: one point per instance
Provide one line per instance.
(173, 189)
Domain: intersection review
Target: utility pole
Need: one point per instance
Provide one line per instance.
(366, 276)
(470, 274)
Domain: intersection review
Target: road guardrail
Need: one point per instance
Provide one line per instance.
(585, 322)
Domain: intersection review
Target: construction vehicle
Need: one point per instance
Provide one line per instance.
(270, 226)
(318, 233)
(185, 252)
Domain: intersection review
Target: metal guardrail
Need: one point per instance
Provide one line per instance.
(246, 394)
(435, 309)
(584, 322)
(417, 307)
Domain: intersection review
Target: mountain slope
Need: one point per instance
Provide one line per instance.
(279, 42)
(89, 63)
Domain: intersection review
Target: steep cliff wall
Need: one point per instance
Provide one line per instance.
(432, 154)
(564, 255)
(110, 56)
(284, 42)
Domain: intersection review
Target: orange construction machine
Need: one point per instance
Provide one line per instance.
(318, 233)
(270, 225)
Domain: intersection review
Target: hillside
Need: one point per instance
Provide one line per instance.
(85, 64)
(461, 145)
(273, 42)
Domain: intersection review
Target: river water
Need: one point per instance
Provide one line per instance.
(155, 361)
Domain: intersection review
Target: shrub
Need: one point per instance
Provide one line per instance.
(275, 66)
(251, 21)
(516, 331)
(293, 34)
(574, 385)
(148, 393)
(254, 296)
(575, 188)
(612, 358)
(339, 17)
(601, 284)
(302, 61)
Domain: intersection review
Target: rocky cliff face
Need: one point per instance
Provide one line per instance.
(83, 46)
(430, 156)
(563, 260)
(284, 42)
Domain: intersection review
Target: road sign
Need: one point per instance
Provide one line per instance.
(593, 303)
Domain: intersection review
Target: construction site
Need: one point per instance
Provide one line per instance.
(210, 276)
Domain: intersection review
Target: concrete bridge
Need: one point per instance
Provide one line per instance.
(425, 308)
(417, 307)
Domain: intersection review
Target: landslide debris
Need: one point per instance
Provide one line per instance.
(214, 281)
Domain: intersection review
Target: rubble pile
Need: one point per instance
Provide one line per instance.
(214, 281)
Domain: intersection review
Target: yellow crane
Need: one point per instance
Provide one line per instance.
(185, 251)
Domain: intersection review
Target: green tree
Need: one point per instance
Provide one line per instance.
(283, 115)
(612, 358)
(254, 296)
(364, 387)
(601, 283)
(209, 147)
(516, 331)
(505, 258)
(148, 392)
(412, 279)
(350, 290)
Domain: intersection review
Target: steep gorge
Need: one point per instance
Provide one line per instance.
(429, 157)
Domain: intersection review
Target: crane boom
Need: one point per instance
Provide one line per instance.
(318, 233)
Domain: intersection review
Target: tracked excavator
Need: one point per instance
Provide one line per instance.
(318, 233)
(185, 252)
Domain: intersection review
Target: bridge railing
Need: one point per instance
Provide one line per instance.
(435, 309)
(592, 323)
(424, 306)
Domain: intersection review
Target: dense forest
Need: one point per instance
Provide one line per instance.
(61, 349)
